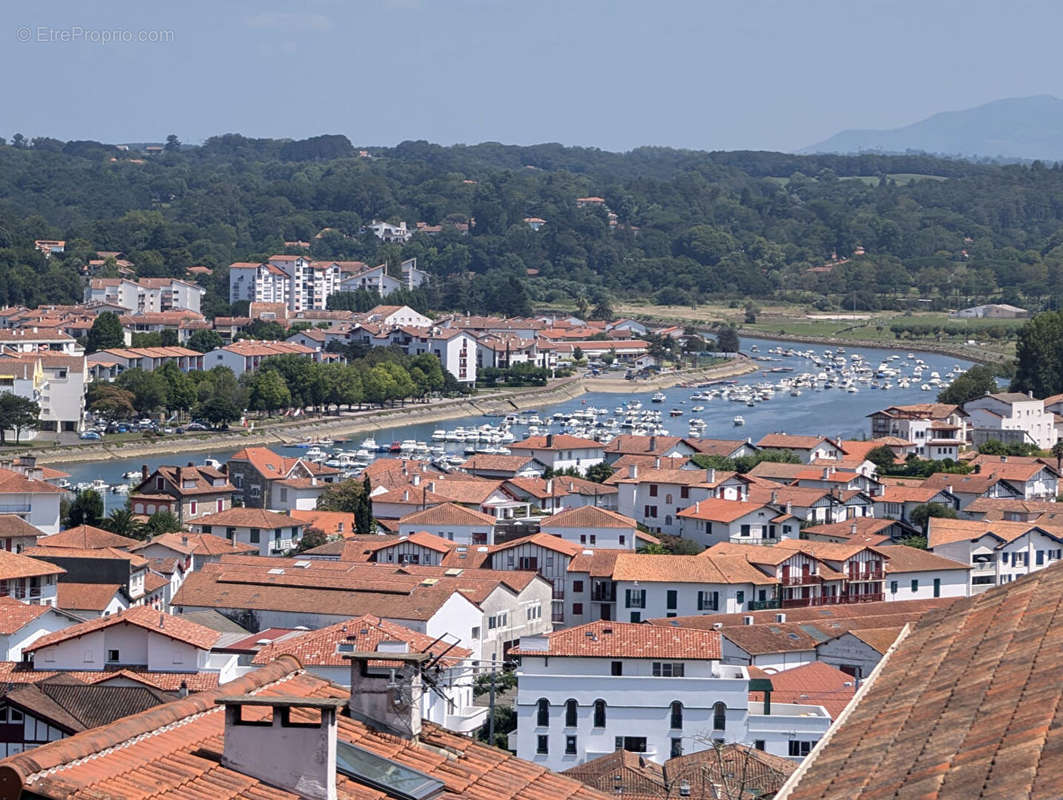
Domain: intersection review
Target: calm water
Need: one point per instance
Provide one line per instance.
(828, 413)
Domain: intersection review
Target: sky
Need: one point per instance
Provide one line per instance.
(614, 74)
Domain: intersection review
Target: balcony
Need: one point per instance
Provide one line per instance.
(603, 594)
(466, 719)
(762, 605)
(14, 508)
(801, 580)
(864, 577)
(833, 600)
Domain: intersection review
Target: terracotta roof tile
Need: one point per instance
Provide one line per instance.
(587, 517)
(14, 565)
(447, 514)
(688, 569)
(605, 639)
(246, 518)
(86, 596)
(718, 510)
(557, 441)
(14, 526)
(15, 615)
(86, 537)
(149, 619)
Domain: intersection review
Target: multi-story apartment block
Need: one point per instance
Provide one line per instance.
(297, 282)
(997, 551)
(146, 295)
(938, 430)
(1011, 417)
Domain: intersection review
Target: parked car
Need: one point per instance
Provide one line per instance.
(196, 426)
(93, 435)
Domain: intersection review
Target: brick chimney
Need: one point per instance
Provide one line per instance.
(299, 757)
(386, 696)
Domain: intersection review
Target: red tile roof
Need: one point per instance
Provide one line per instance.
(160, 753)
(448, 514)
(86, 537)
(558, 441)
(86, 596)
(12, 482)
(157, 622)
(246, 518)
(815, 684)
(319, 648)
(967, 706)
(605, 639)
(587, 517)
(15, 615)
(717, 510)
(14, 565)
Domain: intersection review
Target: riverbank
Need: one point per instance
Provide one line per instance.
(963, 351)
(367, 422)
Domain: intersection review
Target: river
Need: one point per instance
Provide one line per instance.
(828, 413)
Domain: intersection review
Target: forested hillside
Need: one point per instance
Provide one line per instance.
(688, 227)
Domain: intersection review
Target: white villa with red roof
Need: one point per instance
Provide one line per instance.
(711, 521)
(561, 451)
(654, 690)
(593, 527)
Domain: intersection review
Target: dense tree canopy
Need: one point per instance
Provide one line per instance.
(973, 383)
(677, 226)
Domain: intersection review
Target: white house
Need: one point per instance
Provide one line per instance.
(1011, 417)
(1035, 479)
(997, 552)
(394, 316)
(653, 586)
(452, 522)
(913, 574)
(657, 691)
(21, 624)
(137, 637)
(591, 526)
(272, 533)
(655, 497)
(560, 451)
(711, 521)
(937, 430)
(246, 355)
(34, 500)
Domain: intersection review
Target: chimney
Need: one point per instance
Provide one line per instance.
(549, 440)
(653, 443)
(780, 617)
(431, 486)
(191, 464)
(657, 463)
(826, 473)
(386, 698)
(143, 472)
(416, 479)
(29, 461)
(710, 475)
(299, 757)
(633, 470)
(1029, 394)
(1003, 459)
(774, 496)
(549, 487)
(182, 690)
(748, 619)
(405, 494)
(789, 507)
(852, 528)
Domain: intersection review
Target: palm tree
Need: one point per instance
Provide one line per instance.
(1057, 451)
(122, 522)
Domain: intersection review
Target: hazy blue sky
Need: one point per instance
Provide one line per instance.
(707, 74)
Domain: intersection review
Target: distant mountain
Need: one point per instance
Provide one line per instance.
(1017, 127)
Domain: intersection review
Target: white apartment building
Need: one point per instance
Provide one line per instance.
(654, 690)
(29, 580)
(247, 354)
(271, 533)
(293, 280)
(938, 430)
(387, 232)
(146, 295)
(997, 552)
(1011, 417)
(31, 499)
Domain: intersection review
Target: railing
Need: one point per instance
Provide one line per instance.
(877, 575)
(802, 580)
(833, 600)
(600, 595)
(761, 605)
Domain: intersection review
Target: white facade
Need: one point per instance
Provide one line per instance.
(760, 525)
(643, 710)
(39, 509)
(269, 541)
(638, 600)
(558, 458)
(924, 584)
(995, 562)
(49, 622)
(1014, 412)
(146, 295)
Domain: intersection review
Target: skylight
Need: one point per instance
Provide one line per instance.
(390, 777)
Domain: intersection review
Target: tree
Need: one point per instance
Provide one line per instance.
(161, 522)
(106, 332)
(123, 522)
(751, 313)
(312, 537)
(204, 341)
(603, 309)
(180, 388)
(363, 512)
(600, 472)
(727, 340)
(577, 353)
(267, 391)
(85, 509)
(173, 144)
(922, 514)
(1039, 357)
(17, 414)
(882, 457)
(1057, 451)
(972, 384)
(149, 389)
(343, 496)
(110, 400)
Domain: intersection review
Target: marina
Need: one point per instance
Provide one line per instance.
(801, 389)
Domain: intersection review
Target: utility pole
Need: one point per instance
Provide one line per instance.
(491, 711)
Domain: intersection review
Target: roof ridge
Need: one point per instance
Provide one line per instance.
(55, 756)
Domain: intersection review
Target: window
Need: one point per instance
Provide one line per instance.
(636, 616)
(571, 708)
(623, 539)
(653, 490)
(476, 632)
(635, 598)
(112, 655)
(594, 538)
(684, 492)
(719, 716)
(542, 712)
(577, 608)
(800, 749)
(676, 721)
(616, 668)
(1040, 559)
(192, 508)
(650, 511)
(577, 586)
(570, 745)
(492, 623)
(599, 713)
(668, 669)
(915, 584)
(672, 599)
(708, 601)
(542, 746)
(759, 744)
(230, 533)
(633, 744)
(677, 747)
(740, 597)
(745, 530)
(937, 587)
(254, 536)
(668, 499)
(893, 587)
